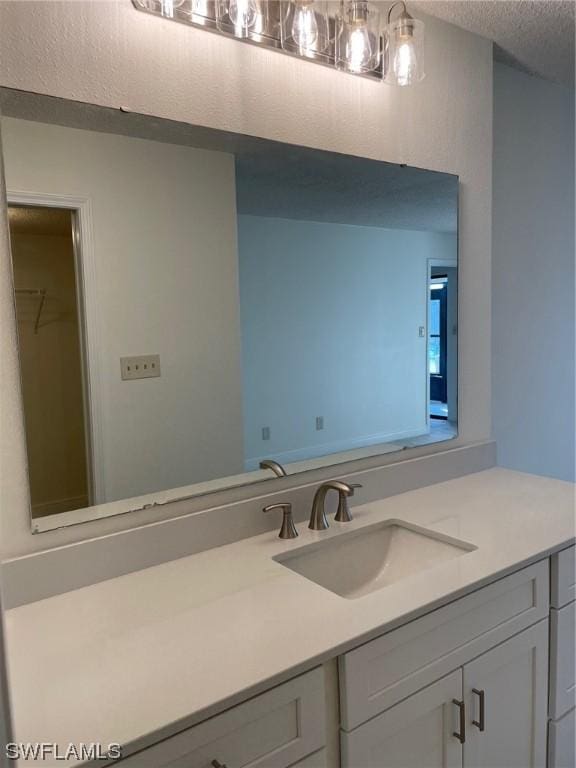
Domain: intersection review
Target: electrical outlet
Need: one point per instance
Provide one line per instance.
(142, 367)
(421, 331)
(265, 433)
(319, 423)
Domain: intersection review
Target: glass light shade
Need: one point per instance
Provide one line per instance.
(166, 7)
(242, 18)
(305, 26)
(404, 51)
(201, 10)
(357, 45)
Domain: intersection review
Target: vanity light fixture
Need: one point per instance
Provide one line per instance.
(346, 34)
(403, 48)
(357, 48)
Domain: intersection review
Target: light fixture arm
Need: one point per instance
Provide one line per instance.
(395, 5)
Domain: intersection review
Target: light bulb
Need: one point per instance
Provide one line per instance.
(359, 50)
(405, 64)
(243, 13)
(304, 25)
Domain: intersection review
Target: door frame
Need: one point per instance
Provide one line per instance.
(86, 282)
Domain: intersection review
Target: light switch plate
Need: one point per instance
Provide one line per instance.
(141, 367)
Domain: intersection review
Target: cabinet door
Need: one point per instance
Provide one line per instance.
(417, 732)
(506, 695)
(562, 660)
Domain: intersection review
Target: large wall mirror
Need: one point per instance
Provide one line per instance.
(199, 310)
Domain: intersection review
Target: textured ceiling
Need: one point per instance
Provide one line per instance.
(298, 183)
(536, 36)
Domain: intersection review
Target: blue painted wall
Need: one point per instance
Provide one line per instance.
(533, 321)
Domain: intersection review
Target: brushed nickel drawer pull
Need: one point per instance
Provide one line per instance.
(462, 710)
(481, 722)
(217, 764)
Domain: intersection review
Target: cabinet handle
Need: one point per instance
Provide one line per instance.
(481, 722)
(217, 764)
(462, 710)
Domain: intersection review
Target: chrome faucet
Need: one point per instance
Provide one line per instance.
(318, 520)
(278, 469)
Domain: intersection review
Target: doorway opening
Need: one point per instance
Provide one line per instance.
(437, 353)
(52, 357)
(442, 348)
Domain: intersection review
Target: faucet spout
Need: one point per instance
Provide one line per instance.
(277, 468)
(318, 520)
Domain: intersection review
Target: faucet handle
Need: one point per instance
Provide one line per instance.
(288, 529)
(343, 515)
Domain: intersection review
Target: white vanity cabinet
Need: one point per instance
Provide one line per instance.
(487, 704)
(562, 704)
(464, 686)
(279, 728)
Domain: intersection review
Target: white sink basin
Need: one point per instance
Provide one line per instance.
(362, 561)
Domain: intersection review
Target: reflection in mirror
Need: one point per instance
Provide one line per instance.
(51, 361)
(199, 310)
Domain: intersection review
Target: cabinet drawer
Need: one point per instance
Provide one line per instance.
(563, 577)
(561, 742)
(381, 673)
(562, 660)
(273, 730)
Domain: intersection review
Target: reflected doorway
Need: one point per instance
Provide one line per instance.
(442, 348)
(51, 354)
(437, 335)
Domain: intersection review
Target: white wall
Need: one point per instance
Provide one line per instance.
(164, 246)
(108, 53)
(533, 275)
(330, 316)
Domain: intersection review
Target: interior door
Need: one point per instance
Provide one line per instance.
(423, 730)
(506, 693)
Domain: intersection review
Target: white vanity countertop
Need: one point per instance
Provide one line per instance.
(139, 657)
